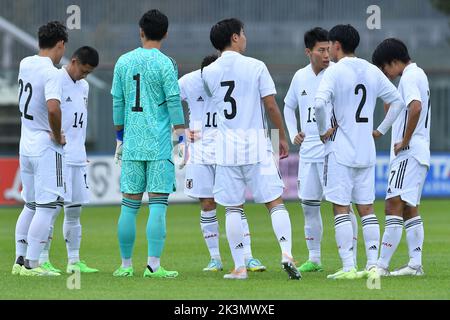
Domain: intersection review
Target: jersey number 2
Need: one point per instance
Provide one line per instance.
(361, 104)
(230, 99)
(137, 106)
(30, 90)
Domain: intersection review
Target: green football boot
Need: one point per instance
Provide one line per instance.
(39, 271)
(49, 267)
(81, 267)
(310, 266)
(124, 272)
(160, 273)
(343, 275)
(16, 269)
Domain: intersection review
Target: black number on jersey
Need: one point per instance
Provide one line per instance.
(80, 121)
(28, 88)
(230, 99)
(361, 104)
(137, 106)
(309, 116)
(208, 120)
(428, 111)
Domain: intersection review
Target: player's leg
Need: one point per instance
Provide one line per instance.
(27, 214)
(338, 185)
(412, 185)
(132, 185)
(264, 181)
(199, 183)
(310, 193)
(72, 229)
(44, 258)
(231, 178)
(251, 263)
(354, 221)
(160, 175)
(49, 193)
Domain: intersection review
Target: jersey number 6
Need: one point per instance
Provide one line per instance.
(230, 99)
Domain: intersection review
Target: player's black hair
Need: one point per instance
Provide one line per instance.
(51, 33)
(221, 33)
(208, 60)
(87, 55)
(389, 50)
(154, 24)
(315, 35)
(347, 36)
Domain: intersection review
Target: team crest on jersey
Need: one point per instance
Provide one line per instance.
(189, 183)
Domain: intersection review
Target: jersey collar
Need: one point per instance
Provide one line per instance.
(409, 67)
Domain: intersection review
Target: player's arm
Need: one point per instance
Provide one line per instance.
(275, 117)
(53, 93)
(118, 111)
(414, 109)
(323, 95)
(290, 118)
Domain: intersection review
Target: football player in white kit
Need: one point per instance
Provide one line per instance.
(200, 167)
(301, 95)
(410, 157)
(243, 91)
(74, 122)
(352, 85)
(41, 148)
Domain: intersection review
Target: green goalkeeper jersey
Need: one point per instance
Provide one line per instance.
(146, 101)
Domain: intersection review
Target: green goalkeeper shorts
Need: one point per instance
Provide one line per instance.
(157, 176)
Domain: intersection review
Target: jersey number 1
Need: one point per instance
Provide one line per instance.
(137, 106)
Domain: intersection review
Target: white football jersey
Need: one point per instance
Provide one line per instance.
(74, 118)
(353, 86)
(39, 81)
(301, 94)
(237, 85)
(414, 86)
(202, 118)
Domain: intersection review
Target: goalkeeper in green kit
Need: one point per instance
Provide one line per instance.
(146, 104)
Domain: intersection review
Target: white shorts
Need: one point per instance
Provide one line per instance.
(199, 181)
(343, 184)
(310, 180)
(77, 190)
(406, 179)
(262, 178)
(42, 177)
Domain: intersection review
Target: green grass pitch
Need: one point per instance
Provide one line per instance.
(185, 251)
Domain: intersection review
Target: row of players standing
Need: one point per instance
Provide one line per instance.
(338, 163)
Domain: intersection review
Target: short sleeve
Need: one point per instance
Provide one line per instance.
(266, 84)
(410, 91)
(170, 78)
(386, 90)
(291, 100)
(182, 83)
(53, 85)
(326, 86)
(117, 88)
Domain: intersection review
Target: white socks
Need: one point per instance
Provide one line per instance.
(72, 232)
(344, 240)
(313, 228)
(247, 238)
(154, 263)
(355, 235)
(414, 238)
(44, 257)
(39, 229)
(235, 235)
(22, 226)
(371, 234)
(281, 224)
(210, 230)
(391, 238)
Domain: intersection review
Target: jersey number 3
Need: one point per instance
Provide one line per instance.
(230, 99)
(361, 104)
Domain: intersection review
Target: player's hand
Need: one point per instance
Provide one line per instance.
(182, 155)
(62, 138)
(376, 134)
(298, 140)
(118, 154)
(284, 149)
(193, 135)
(399, 146)
(328, 134)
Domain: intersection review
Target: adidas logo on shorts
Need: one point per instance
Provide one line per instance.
(239, 246)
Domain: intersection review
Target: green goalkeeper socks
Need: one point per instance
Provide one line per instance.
(127, 226)
(156, 225)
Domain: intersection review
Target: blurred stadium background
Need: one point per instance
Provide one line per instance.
(275, 35)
